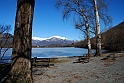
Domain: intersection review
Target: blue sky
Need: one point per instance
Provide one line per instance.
(48, 20)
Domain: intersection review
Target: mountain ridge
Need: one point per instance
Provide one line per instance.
(38, 38)
(54, 40)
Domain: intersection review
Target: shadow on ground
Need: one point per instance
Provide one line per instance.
(4, 70)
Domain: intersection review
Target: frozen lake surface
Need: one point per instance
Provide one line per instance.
(53, 52)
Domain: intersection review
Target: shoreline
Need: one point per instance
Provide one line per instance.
(104, 69)
(95, 71)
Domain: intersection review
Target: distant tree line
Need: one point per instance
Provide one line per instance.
(112, 39)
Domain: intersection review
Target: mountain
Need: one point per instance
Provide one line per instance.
(54, 40)
(37, 41)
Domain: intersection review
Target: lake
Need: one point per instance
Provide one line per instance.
(58, 52)
(54, 52)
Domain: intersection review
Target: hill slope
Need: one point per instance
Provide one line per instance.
(112, 39)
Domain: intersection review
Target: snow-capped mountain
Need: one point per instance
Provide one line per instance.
(37, 41)
(53, 37)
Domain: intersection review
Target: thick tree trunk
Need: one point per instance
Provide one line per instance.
(98, 36)
(22, 44)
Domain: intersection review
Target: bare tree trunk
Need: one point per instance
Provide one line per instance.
(22, 44)
(88, 42)
(88, 35)
(98, 36)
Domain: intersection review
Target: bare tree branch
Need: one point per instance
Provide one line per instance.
(84, 16)
(4, 37)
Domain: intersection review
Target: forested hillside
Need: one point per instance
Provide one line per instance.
(112, 39)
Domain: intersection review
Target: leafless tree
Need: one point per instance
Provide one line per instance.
(99, 10)
(5, 39)
(22, 43)
(81, 11)
(98, 36)
(84, 16)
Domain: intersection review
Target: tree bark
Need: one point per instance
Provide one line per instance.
(88, 41)
(88, 35)
(21, 71)
(98, 36)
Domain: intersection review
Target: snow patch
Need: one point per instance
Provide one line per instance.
(41, 39)
(58, 37)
